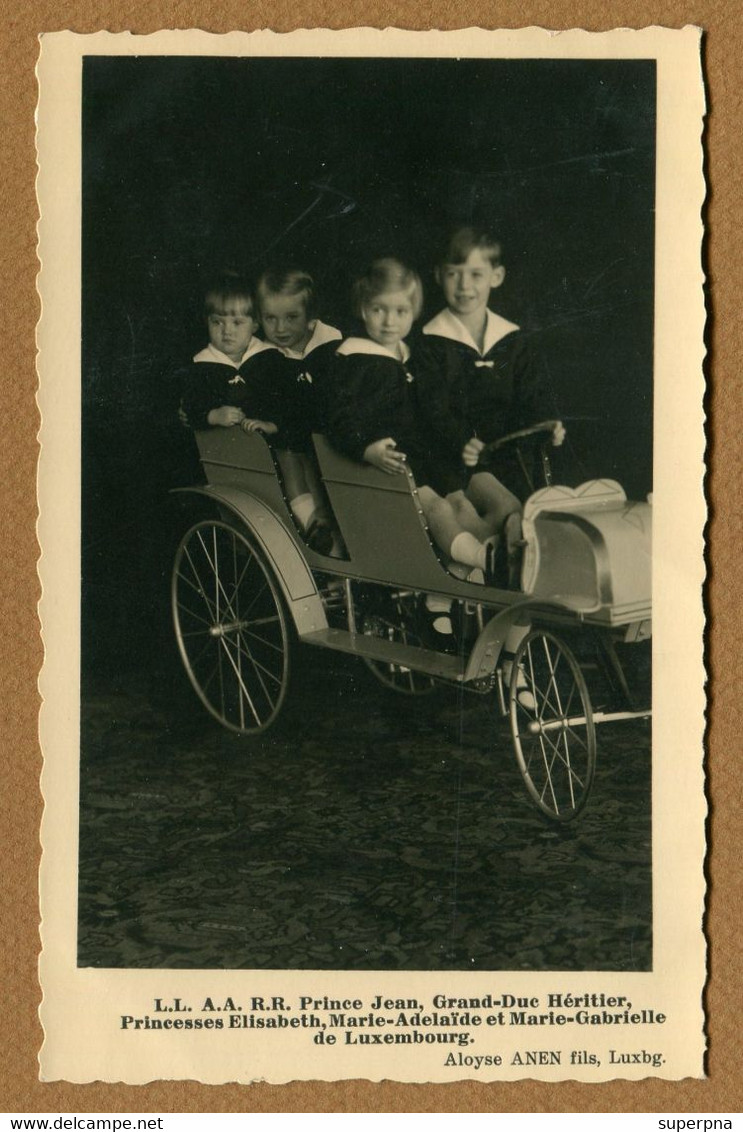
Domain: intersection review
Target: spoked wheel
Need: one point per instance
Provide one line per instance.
(232, 627)
(394, 620)
(552, 725)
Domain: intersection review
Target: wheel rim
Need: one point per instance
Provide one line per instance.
(552, 726)
(392, 624)
(231, 627)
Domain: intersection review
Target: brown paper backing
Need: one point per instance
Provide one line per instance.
(21, 657)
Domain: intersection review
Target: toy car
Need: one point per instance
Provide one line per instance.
(246, 587)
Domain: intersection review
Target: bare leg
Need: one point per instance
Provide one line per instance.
(294, 472)
(447, 532)
(301, 482)
(440, 518)
(306, 500)
(316, 487)
(322, 512)
(467, 516)
(491, 500)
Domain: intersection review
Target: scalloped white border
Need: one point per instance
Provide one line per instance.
(81, 1006)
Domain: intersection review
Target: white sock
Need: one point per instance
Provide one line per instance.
(303, 509)
(467, 549)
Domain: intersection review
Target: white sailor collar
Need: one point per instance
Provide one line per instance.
(321, 334)
(367, 346)
(447, 325)
(212, 354)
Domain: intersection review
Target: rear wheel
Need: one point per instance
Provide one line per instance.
(552, 726)
(232, 627)
(393, 619)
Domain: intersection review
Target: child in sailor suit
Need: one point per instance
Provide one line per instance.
(477, 392)
(375, 415)
(375, 402)
(239, 379)
(236, 378)
(287, 305)
(479, 381)
(286, 302)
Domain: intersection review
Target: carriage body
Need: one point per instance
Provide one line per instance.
(586, 567)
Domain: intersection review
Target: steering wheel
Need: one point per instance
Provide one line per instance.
(545, 429)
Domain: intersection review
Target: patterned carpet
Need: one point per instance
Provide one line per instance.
(372, 832)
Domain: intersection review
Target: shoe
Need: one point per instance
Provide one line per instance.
(524, 694)
(466, 573)
(319, 537)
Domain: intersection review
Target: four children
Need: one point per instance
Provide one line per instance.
(469, 379)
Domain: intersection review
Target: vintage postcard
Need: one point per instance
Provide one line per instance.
(372, 730)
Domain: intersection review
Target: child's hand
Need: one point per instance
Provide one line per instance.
(559, 433)
(226, 416)
(383, 454)
(250, 424)
(471, 451)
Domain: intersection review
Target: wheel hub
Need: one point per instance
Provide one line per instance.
(224, 628)
(536, 727)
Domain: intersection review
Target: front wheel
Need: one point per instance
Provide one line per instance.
(552, 726)
(231, 626)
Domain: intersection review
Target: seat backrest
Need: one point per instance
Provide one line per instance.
(381, 520)
(379, 515)
(242, 459)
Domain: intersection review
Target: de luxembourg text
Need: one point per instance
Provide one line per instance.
(393, 1021)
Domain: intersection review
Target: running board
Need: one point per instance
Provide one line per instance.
(437, 664)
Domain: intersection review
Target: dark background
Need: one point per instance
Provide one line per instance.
(366, 834)
(191, 164)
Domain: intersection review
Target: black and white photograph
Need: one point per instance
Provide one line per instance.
(366, 663)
